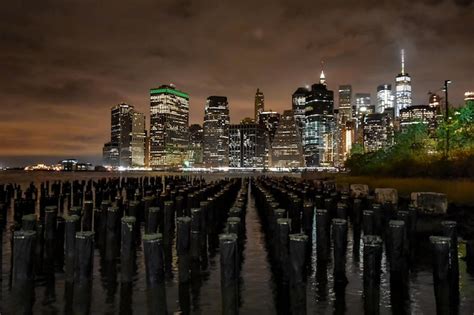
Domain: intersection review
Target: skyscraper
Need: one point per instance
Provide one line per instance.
(259, 104)
(318, 137)
(269, 120)
(298, 104)
(169, 119)
(419, 114)
(247, 145)
(402, 88)
(137, 141)
(363, 107)
(286, 146)
(196, 143)
(378, 132)
(345, 101)
(216, 132)
(127, 138)
(384, 98)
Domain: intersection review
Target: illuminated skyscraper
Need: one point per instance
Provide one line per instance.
(269, 120)
(419, 114)
(216, 132)
(298, 101)
(345, 101)
(318, 137)
(385, 98)
(169, 119)
(259, 104)
(286, 146)
(127, 138)
(378, 132)
(247, 145)
(402, 89)
(137, 140)
(196, 143)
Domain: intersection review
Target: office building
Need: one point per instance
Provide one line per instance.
(469, 98)
(345, 101)
(169, 120)
(298, 104)
(216, 132)
(269, 120)
(259, 104)
(247, 145)
(319, 124)
(287, 151)
(377, 132)
(196, 146)
(385, 98)
(419, 114)
(402, 89)
(127, 138)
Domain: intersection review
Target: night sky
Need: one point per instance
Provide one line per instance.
(64, 63)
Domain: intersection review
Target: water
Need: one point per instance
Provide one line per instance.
(258, 290)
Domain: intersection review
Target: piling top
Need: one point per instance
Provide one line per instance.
(280, 210)
(19, 235)
(403, 213)
(339, 222)
(50, 208)
(447, 223)
(321, 211)
(129, 219)
(71, 218)
(284, 221)
(204, 203)
(85, 234)
(29, 217)
(298, 237)
(113, 209)
(396, 223)
(228, 237)
(168, 203)
(134, 203)
(105, 202)
(368, 212)
(154, 209)
(308, 203)
(233, 220)
(372, 240)
(153, 237)
(88, 202)
(440, 240)
(183, 220)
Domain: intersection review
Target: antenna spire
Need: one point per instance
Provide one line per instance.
(322, 77)
(403, 61)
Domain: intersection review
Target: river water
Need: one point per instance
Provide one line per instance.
(258, 290)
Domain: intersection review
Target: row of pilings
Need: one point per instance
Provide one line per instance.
(58, 228)
(297, 213)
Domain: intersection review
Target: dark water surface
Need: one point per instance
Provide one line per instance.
(258, 290)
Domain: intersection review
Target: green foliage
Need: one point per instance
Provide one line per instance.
(416, 152)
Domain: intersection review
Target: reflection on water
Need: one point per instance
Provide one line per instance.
(258, 290)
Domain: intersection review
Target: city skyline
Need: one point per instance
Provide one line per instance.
(60, 82)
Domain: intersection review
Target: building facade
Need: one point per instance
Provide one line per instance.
(259, 104)
(298, 104)
(419, 114)
(378, 132)
(127, 138)
(247, 145)
(319, 124)
(216, 132)
(385, 98)
(169, 120)
(345, 101)
(269, 120)
(287, 151)
(196, 144)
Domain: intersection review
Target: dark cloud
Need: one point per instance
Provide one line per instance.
(65, 63)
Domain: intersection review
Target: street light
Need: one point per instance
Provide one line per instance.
(446, 115)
